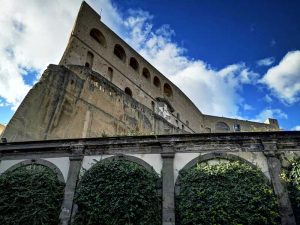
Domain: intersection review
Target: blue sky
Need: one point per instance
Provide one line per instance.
(238, 59)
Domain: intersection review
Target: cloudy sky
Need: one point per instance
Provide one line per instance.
(238, 59)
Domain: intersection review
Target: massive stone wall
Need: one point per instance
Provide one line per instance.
(76, 103)
(167, 155)
(93, 44)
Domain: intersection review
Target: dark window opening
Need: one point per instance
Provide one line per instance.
(128, 91)
(120, 52)
(89, 60)
(146, 73)
(187, 123)
(98, 36)
(168, 90)
(110, 73)
(237, 127)
(178, 116)
(134, 63)
(156, 81)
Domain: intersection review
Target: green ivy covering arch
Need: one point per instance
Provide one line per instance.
(30, 195)
(293, 180)
(115, 192)
(228, 193)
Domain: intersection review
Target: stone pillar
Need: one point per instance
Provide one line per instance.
(70, 188)
(168, 204)
(274, 165)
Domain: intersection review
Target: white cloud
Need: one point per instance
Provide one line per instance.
(34, 34)
(284, 78)
(266, 61)
(296, 128)
(248, 107)
(270, 113)
(268, 99)
(213, 91)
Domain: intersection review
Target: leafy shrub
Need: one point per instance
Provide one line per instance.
(30, 195)
(118, 192)
(294, 188)
(226, 193)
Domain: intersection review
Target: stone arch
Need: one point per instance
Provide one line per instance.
(222, 127)
(89, 60)
(156, 81)
(133, 159)
(210, 156)
(128, 91)
(146, 74)
(42, 162)
(168, 90)
(133, 63)
(120, 52)
(98, 36)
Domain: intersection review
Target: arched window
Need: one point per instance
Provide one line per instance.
(156, 81)
(89, 59)
(168, 90)
(128, 91)
(120, 52)
(98, 36)
(134, 64)
(146, 73)
(222, 127)
(110, 73)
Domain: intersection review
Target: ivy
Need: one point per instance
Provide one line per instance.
(229, 193)
(30, 195)
(118, 192)
(293, 179)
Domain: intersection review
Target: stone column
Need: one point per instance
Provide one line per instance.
(70, 188)
(168, 204)
(274, 165)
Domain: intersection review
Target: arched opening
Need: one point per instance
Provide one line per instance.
(168, 90)
(212, 184)
(222, 127)
(89, 60)
(187, 123)
(98, 36)
(120, 52)
(156, 81)
(134, 64)
(30, 194)
(118, 191)
(110, 72)
(146, 73)
(128, 91)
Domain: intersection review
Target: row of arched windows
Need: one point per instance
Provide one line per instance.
(120, 53)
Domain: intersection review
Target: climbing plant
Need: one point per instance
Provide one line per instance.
(30, 195)
(118, 192)
(228, 193)
(292, 177)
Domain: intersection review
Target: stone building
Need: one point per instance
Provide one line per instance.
(103, 87)
(2, 127)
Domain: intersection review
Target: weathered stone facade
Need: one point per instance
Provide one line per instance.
(103, 86)
(165, 154)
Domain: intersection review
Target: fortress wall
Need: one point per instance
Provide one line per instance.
(124, 75)
(210, 123)
(64, 104)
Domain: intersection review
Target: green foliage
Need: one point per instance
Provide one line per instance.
(230, 193)
(118, 192)
(293, 179)
(30, 195)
